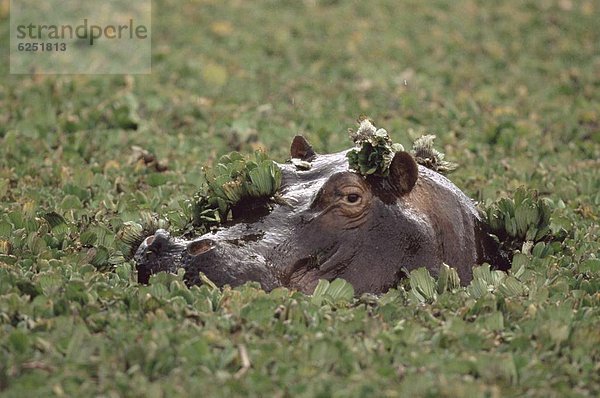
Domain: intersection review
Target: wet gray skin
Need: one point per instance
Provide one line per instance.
(336, 224)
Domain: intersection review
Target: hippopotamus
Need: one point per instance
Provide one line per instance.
(332, 222)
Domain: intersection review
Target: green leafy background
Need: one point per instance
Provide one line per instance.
(512, 91)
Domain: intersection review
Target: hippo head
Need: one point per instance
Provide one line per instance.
(331, 222)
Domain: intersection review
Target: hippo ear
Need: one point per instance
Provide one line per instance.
(403, 172)
(301, 149)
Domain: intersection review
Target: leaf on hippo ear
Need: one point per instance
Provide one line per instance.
(374, 150)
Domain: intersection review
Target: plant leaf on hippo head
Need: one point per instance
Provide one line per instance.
(234, 180)
(426, 155)
(374, 150)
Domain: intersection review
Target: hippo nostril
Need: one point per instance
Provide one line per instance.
(202, 246)
(158, 241)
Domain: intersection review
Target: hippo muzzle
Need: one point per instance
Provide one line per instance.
(157, 253)
(221, 260)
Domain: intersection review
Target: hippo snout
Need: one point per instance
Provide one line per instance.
(157, 242)
(223, 260)
(158, 252)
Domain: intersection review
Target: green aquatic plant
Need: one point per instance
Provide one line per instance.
(426, 155)
(337, 291)
(374, 150)
(236, 181)
(525, 218)
(131, 234)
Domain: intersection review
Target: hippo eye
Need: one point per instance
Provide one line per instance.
(353, 198)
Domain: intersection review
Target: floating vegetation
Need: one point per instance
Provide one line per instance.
(131, 234)
(141, 157)
(230, 184)
(332, 292)
(374, 150)
(525, 218)
(423, 285)
(425, 288)
(448, 279)
(234, 180)
(426, 155)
